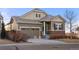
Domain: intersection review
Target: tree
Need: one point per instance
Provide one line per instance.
(70, 15)
(3, 32)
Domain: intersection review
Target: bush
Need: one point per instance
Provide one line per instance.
(64, 37)
(17, 36)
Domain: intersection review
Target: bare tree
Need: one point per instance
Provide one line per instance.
(70, 16)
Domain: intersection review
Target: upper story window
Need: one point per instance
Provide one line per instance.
(38, 15)
(58, 26)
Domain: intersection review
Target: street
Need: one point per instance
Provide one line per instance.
(41, 44)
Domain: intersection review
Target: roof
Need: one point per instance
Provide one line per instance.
(21, 20)
(50, 18)
(12, 19)
(38, 10)
(58, 16)
(35, 10)
(46, 18)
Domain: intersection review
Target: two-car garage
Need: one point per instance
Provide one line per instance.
(32, 32)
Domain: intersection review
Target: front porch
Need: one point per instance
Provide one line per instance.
(46, 27)
(53, 30)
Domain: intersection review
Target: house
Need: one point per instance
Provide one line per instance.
(37, 23)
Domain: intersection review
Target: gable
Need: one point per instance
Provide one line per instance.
(34, 14)
(57, 19)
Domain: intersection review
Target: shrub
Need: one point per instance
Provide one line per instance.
(17, 36)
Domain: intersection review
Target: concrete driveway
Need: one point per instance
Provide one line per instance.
(45, 41)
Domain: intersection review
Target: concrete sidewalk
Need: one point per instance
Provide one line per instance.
(45, 41)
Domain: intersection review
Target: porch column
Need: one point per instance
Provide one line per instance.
(39, 33)
(44, 29)
(51, 25)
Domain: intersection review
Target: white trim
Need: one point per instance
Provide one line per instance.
(29, 27)
(29, 22)
(57, 30)
(44, 28)
(51, 26)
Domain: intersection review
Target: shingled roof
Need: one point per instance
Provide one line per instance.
(46, 18)
(50, 18)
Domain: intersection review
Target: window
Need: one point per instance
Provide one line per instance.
(38, 15)
(55, 27)
(58, 26)
(61, 27)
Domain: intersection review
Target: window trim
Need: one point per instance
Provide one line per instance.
(38, 15)
(58, 25)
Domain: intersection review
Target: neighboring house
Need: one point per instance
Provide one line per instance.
(11, 26)
(37, 23)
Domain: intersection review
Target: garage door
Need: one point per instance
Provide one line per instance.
(31, 32)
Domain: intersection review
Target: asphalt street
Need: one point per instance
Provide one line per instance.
(40, 45)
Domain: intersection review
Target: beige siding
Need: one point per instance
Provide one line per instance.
(29, 21)
(32, 16)
(57, 19)
(52, 25)
(7, 27)
(29, 25)
(14, 25)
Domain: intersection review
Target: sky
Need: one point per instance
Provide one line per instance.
(7, 13)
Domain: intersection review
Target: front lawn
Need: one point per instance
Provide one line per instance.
(5, 41)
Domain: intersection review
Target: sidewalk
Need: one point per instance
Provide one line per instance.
(45, 41)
